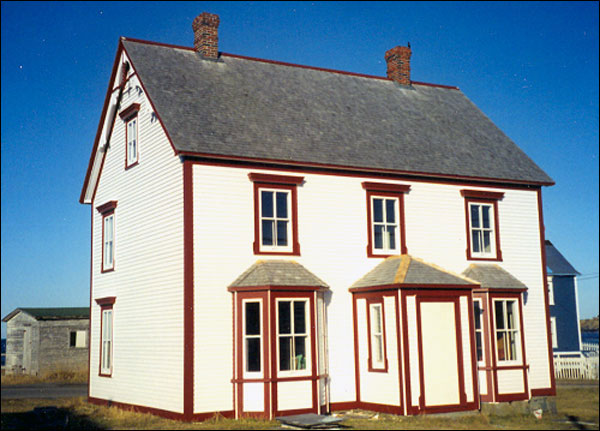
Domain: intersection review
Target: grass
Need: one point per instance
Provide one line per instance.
(577, 409)
(57, 376)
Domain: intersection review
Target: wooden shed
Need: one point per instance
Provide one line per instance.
(41, 340)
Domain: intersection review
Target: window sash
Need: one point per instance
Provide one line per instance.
(252, 331)
(478, 316)
(106, 354)
(482, 229)
(132, 151)
(385, 230)
(293, 339)
(275, 219)
(377, 337)
(109, 243)
(507, 330)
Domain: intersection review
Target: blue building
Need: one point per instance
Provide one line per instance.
(564, 306)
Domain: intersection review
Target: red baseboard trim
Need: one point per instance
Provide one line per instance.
(546, 392)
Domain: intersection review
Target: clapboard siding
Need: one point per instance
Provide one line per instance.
(148, 276)
(332, 231)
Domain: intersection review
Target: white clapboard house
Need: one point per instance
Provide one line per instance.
(271, 239)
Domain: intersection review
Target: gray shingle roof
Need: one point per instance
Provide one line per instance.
(60, 313)
(239, 107)
(493, 277)
(406, 269)
(556, 263)
(277, 273)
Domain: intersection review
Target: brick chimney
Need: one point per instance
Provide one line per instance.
(206, 35)
(398, 64)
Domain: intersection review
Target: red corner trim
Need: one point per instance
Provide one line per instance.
(130, 111)
(107, 207)
(480, 194)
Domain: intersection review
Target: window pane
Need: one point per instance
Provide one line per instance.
(391, 237)
(252, 318)
(500, 340)
(510, 314)
(390, 210)
(73, 340)
(512, 346)
(299, 317)
(282, 237)
(487, 244)
(252, 354)
(499, 314)
(479, 344)
(266, 203)
(485, 212)
(476, 241)
(378, 210)
(378, 236)
(300, 352)
(378, 348)
(477, 314)
(267, 232)
(285, 317)
(474, 215)
(282, 205)
(285, 352)
(376, 319)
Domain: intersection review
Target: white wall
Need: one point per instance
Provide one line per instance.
(148, 276)
(333, 239)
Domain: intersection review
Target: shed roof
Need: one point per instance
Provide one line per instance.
(492, 276)
(60, 313)
(268, 111)
(277, 273)
(408, 270)
(556, 263)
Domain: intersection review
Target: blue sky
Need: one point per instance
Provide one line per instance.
(531, 67)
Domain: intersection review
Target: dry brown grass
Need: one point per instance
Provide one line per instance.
(577, 409)
(55, 376)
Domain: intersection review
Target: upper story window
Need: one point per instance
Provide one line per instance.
(507, 330)
(130, 117)
(276, 214)
(108, 235)
(483, 237)
(385, 219)
(550, 291)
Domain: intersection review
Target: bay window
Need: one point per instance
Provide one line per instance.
(507, 330)
(292, 335)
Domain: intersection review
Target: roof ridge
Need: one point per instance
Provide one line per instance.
(283, 63)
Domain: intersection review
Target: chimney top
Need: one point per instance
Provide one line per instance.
(206, 36)
(398, 64)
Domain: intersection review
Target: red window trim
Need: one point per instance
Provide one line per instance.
(283, 182)
(369, 302)
(129, 112)
(106, 304)
(386, 190)
(492, 199)
(106, 210)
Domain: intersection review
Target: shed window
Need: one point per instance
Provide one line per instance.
(77, 339)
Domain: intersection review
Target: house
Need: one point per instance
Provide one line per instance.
(292, 239)
(564, 305)
(42, 340)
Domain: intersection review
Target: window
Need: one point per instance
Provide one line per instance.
(77, 339)
(483, 238)
(275, 214)
(292, 334)
(478, 315)
(132, 138)
(507, 332)
(106, 335)
(554, 334)
(550, 291)
(108, 235)
(377, 354)
(385, 219)
(130, 116)
(252, 336)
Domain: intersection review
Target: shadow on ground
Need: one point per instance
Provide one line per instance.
(47, 418)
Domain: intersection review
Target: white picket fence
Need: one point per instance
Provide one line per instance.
(576, 368)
